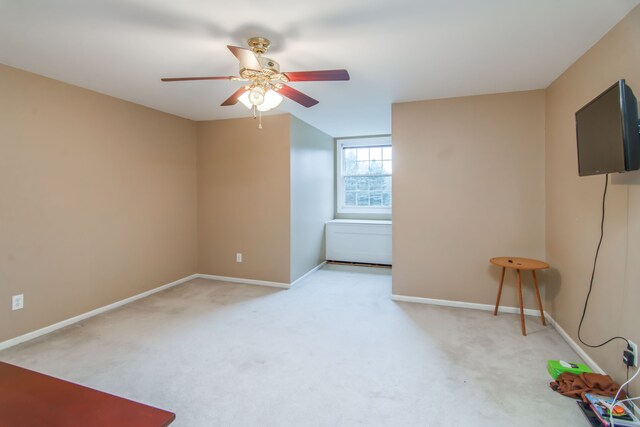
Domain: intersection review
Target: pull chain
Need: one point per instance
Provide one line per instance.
(259, 117)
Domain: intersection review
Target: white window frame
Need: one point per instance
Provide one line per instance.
(357, 142)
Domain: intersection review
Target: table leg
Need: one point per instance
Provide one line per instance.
(495, 312)
(524, 332)
(535, 284)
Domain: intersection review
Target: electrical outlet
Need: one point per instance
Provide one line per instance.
(238, 257)
(17, 302)
(633, 348)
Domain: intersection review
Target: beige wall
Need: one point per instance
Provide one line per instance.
(312, 195)
(573, 209)
(243, 198)
(98, 200)
(468, 185)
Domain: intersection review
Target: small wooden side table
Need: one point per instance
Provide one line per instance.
(520, 264)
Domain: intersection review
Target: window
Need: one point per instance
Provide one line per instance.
(364, 175)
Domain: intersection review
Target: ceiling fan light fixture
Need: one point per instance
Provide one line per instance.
(271, 100)
(244, 98)
(256, 96)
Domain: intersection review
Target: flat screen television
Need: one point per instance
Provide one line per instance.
(607, 132)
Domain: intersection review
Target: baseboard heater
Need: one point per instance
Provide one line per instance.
(359, 241)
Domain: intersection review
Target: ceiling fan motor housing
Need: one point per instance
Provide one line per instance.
(269, 72)
(269, 65)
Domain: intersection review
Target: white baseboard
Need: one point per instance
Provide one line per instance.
(37, 333)
(47, 329)
(515, 310)
(245, 281)
(574, 345)
(261, 282)
(462, 304)
(304, 276)
(403, 298)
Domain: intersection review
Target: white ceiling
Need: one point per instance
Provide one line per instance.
(395, 51)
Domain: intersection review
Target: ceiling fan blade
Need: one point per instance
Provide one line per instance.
(183, 79)
(317, 76)
(246, 57)
(233, 99)
(297, 96)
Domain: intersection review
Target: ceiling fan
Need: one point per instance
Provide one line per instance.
(266, 82)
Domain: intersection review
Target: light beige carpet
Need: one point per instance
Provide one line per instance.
(332, 351)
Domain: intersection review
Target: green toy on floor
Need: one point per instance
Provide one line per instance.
(556, 367)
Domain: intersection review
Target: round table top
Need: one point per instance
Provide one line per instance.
(519, 263)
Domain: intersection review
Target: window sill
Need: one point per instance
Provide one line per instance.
(360, 221)
(376, 211)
